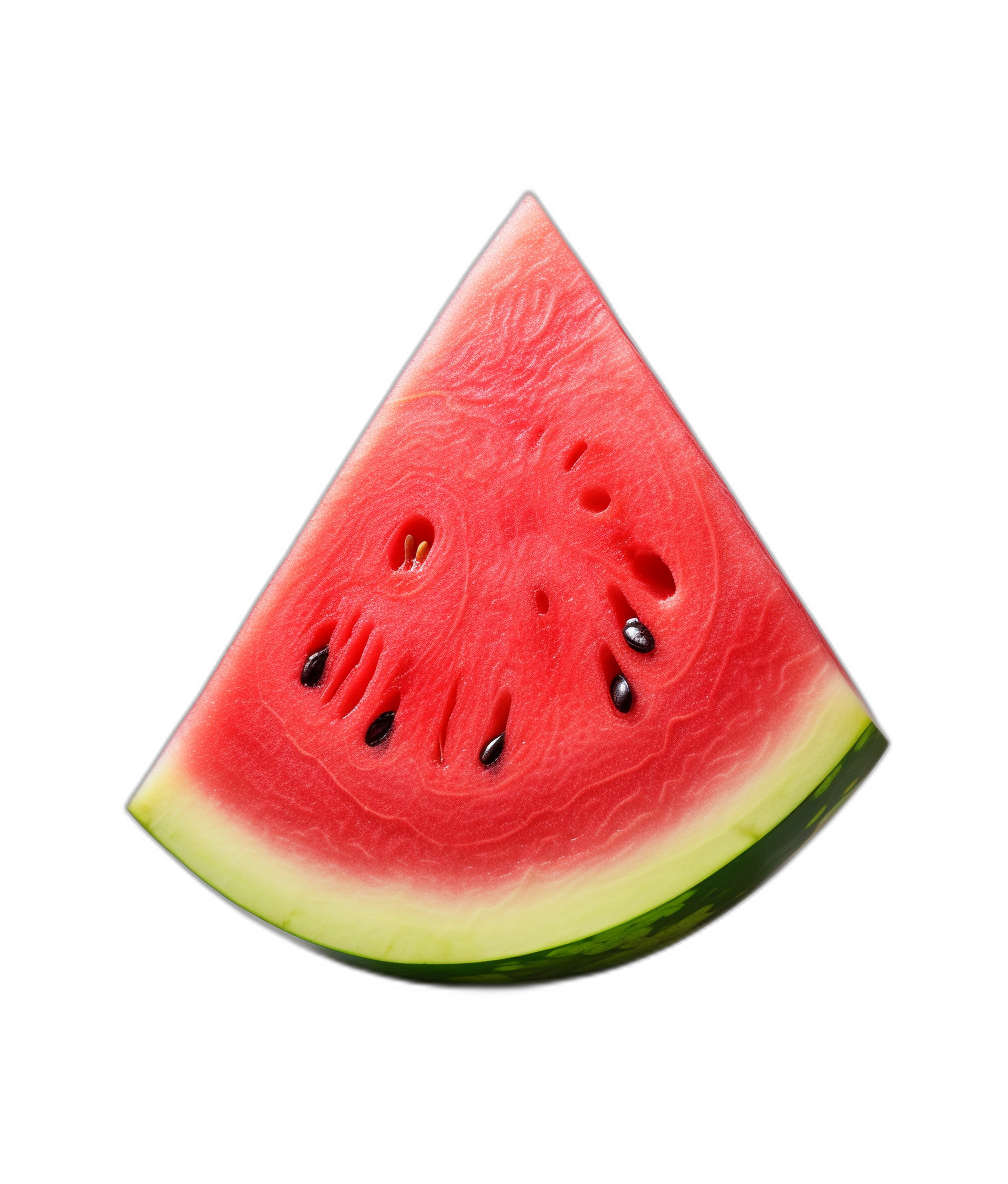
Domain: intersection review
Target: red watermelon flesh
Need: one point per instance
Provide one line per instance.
(526, 489)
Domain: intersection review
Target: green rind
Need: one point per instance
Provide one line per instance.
(677, 917)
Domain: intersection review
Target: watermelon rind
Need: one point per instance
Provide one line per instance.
(676, 918)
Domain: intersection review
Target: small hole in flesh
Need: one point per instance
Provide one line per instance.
(621, 694)
(446, 715)
(542, 602)
(638, 636)
(351, 654)
(379, 729)
(498, 717)
(574, 454)
(314, 667)
(492, 751)
(653, 572)
(595, 499)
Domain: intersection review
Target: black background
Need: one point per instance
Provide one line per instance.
(268, 300)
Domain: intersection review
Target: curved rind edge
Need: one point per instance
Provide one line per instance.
(674, 921)
(396, 921)
(647, 933)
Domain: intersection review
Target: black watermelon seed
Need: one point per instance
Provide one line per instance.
(493, 750)
(620, 693)
(638, 637)
(379, 729)
(314, 667)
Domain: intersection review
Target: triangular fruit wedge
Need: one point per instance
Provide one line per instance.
(528, 696)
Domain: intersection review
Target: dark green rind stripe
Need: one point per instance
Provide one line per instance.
(674, 919)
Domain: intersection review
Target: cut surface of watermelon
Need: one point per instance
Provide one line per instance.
(528, 696)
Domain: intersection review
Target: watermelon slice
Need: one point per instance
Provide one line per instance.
(528, 696)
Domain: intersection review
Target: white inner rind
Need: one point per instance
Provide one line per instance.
(396, 923)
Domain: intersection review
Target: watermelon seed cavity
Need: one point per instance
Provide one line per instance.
(446, 715)
(379, 729)
(653, 573)
(358, 681)
(411, 544)
(314, 667)
(493, 737)
(595, 499)
(574, 454)
(621, 607)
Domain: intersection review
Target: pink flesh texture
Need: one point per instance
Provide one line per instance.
(540, 545)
